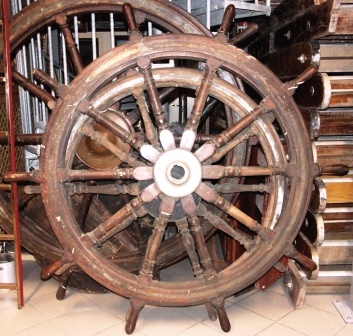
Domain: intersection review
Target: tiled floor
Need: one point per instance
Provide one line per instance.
(81, 314)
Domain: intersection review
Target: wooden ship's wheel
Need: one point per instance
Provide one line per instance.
(181, 180)
(127, 192)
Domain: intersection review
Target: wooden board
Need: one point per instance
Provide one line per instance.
(336, 252)
(333, 121)
(334, 152)
(345, 20)
(318, 21)
(336, 58)
(339, 189)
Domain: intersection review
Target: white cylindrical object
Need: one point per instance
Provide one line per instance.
(7, 268)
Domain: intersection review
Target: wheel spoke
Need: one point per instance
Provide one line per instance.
(217, 172)
(117, 222)
(119, 231)
(60, 89)
(189, 245)
(190, 209)
(144, 65)
(220, 152)
(84, 208)
(231, 188)
(150, 130)
(131, 22)
(211, 68)
(209, 195)
(133, 139)
(106, 189)
(155, 240)
(195, 227)
(209, 148)
(36, 90)
(220, 224)
(143, 173)
(149, 153)
(121, 219)
(75, 55)
(193, 122)
(67, 175)
(167, 140)
(187, 139)
(188, 205)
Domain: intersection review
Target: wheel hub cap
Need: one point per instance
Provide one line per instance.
(177, 173)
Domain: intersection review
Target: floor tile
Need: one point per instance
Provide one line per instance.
(34, 287)
(312, 321)
(162, 321)
(278, 329)
(200, 329)
(198, 313)
(346, 331)
(8, 298)
(243, 322)
(50, 307)
(118, 330)
(268, 304)
(325, 301)
(14, 320)
(43, 329)
(112, 303)
(86, 322)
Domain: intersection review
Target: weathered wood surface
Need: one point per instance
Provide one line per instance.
(335, 252)
(329, 122)
(334, 152)
(345, 19)
(336, 57)
(336, 122)
(291, 61)
(317, 21)
(293, 22)
(340, 214)
(324, 91)
(329, 57)
(299, 34)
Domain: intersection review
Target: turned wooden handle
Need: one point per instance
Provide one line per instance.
(130, 17)
(250, 30)
(307, 263)
(336, 169)
(50, 270)
(227, 20)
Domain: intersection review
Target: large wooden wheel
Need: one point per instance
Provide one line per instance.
(181, 180)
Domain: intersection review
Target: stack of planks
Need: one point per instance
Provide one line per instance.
(299, 34)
